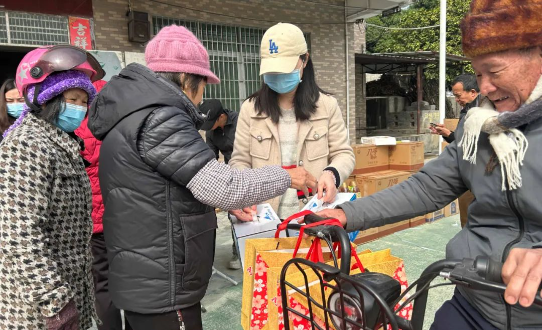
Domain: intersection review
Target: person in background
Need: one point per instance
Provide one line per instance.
(107, 312)
(467, 94)
(45, 204)
(219, 130)
(498, 158)
(11, 105)
(161, 183)
(291, 122)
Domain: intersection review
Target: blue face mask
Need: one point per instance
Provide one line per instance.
(283, 83)
(15, 109)
(70, 119)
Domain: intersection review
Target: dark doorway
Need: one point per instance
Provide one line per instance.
(10, 56)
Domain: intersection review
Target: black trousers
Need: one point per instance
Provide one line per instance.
(189, 317)
(457, 313)
(107, 312)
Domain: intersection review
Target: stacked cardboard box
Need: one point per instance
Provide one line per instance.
(372, 174)
(434, 216)
(372, 183)
(380, 167)
(370, 158)
(394, 227)
(418, 221)
(451, 123)
(447, 211)
(451, 209)
(407, 156)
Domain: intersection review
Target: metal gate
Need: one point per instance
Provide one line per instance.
(234, 53)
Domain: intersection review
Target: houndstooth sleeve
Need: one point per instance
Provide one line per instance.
(24, 208)
(219, 185)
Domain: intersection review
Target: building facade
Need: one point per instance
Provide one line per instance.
(231, 30)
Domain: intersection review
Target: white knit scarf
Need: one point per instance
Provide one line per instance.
(509, 143)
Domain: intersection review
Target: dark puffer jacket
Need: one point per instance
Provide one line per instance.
(160, 239)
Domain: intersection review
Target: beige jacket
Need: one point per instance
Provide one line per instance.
(322, 141)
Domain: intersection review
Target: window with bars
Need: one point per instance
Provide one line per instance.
(33, 29)
(3, 28)
(234, 53)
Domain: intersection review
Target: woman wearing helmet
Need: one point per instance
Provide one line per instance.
(45, 204)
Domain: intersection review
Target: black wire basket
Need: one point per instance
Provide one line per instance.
(344, 302)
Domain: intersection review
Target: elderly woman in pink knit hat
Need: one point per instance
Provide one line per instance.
(161, 183)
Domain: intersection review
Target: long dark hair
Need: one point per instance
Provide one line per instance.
(52, 109)
(307, 94)
(5, 120)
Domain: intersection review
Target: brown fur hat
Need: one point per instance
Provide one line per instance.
(496, 25)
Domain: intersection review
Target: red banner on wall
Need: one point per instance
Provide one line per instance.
(80, 35)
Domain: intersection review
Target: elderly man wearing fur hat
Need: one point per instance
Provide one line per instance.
(497, 155)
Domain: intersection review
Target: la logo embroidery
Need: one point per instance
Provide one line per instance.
(273, 48)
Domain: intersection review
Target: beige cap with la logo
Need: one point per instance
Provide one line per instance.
(282, 44)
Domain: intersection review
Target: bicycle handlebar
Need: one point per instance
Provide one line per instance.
(329, 234)
(481, 273)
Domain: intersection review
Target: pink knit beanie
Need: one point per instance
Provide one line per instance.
(176, 49)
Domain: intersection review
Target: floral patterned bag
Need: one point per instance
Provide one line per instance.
(379, 261)
(262, 254)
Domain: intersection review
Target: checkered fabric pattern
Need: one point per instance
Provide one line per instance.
(45, 227)
(219, 185)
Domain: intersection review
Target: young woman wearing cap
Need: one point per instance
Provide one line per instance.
(290, 121)
(46, 279)
(161, 183)
(11, 105)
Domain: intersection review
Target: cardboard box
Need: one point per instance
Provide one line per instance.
(360, 178)
(451, 124)
(395, 227)
(368, 232)
(418, 221)
(451, 209)
(379, 140)
(368, 235)
(363, 178)
(378, 182)
(434, 216)
(407, 156)
(370, 158)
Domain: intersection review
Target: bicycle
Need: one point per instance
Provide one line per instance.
(366, 300)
